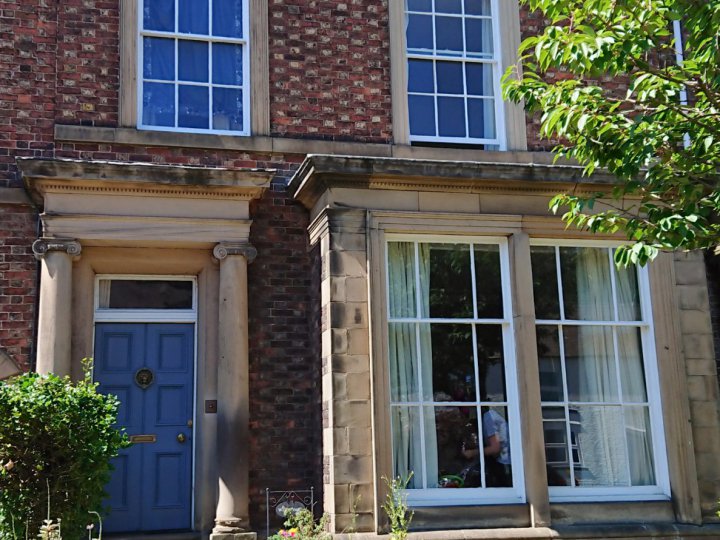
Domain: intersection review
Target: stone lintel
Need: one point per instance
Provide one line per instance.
(318, 173)
(42, 246)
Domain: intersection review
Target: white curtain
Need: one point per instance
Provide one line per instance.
(406, 361)
(602, 442)
(615, 442)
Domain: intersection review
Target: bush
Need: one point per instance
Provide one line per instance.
(56, 441)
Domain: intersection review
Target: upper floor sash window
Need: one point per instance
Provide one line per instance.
(194, 66)
(453, 71)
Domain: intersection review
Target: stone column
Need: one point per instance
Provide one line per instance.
(55, 316)
(232, 512)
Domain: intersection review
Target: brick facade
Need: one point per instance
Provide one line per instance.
(329, 80)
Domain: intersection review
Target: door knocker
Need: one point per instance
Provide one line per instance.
(144, 377)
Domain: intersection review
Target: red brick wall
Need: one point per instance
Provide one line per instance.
(27, 82)
(285, 430)
(17, 282)
(330, 69)
(88, 62)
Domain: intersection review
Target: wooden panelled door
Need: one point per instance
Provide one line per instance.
(149, 367)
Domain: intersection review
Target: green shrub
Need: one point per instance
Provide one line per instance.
(56, 441)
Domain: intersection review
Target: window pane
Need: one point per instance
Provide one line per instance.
(488, 284)
(496, 447)
(450, 78)
(422, 115)
(407, 445)
(550, 364)
(450, 288)
(227, 64)
(401, 277)
(404, 362)
(158, 104)
(455, 428)
(145, 294)
(479, 37)
(448, 6)
(491, 362)
(193, 16)
(631, 365)
(449, 34)
(227, 18)
(545, 291)
(159, 15)
(590, 363)
(420, 76)
(452, 364)
(556, 446)
(192, 61)
(479, 79)
(481, 118)
(477, 7)
(451, 117)
(628, 295)
(602, 447)
(639, 443)
(193, 107)
(420, 32)
(159, 58)
(587, 289)
(227, 109)
(419, 5)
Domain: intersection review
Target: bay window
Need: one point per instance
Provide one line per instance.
(601, 416)
(194, 66)
(454, 408)
(454, 417)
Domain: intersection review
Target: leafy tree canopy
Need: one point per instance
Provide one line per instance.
(661, 137)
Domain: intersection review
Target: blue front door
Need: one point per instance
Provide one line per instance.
(149, 367)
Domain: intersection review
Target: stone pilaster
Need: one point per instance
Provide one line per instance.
(702, 384)
(55, 312)
(347, 408)
(232, 511)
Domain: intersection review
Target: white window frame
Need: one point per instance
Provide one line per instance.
(661, 490)
(246, 88)
(454, 497)
(495, 62)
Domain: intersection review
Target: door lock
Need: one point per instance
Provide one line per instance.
(181, 438)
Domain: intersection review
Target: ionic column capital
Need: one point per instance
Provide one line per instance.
(42, 246)
(227, 249)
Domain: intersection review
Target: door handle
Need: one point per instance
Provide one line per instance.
(181, 438)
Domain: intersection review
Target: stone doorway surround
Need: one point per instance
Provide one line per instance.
(112, 218)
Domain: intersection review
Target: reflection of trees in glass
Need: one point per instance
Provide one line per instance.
(544, 273)
(450, 294)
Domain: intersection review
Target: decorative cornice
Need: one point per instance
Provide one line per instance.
(227, 249)
(42, 246)
(67, 175)
(318, 173)
(223, 193)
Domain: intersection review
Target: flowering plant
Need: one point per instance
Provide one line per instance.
(300, 525)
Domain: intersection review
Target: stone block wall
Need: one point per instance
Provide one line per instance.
(347, 409)
(702, 382)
